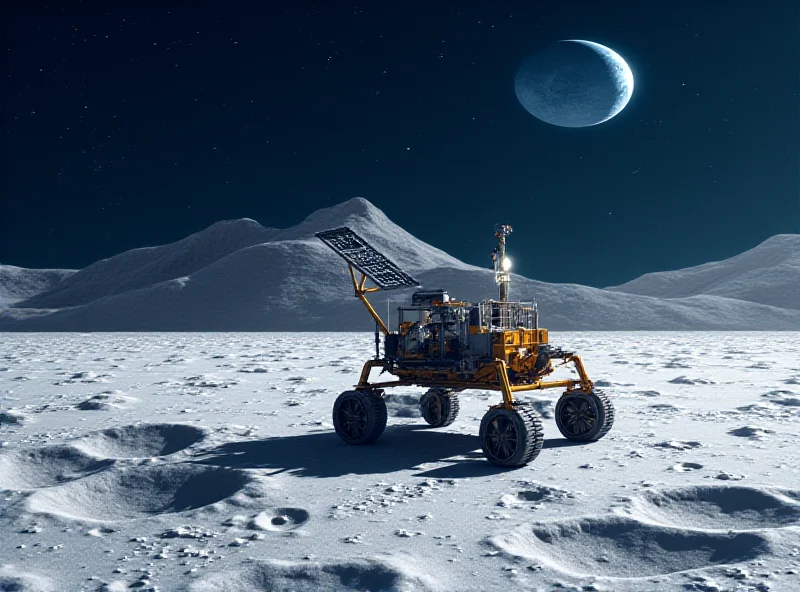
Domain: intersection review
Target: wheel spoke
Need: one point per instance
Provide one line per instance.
(352, 418)
(434, 410)
(501, 438)
(578, 416)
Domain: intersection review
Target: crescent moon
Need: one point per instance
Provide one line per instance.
(574, 83)
(621, 72)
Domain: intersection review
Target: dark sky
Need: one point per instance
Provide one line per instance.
(134, 124)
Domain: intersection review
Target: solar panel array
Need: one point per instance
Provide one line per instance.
(358, 252)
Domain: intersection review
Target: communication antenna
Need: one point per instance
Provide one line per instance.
(502, 264)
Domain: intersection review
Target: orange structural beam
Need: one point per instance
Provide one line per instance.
(360, 290)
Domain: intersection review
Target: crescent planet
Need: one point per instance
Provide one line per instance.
(574, 83)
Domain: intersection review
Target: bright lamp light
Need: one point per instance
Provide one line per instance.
(506, 264)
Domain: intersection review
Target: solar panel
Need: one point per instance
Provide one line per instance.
(358, 252)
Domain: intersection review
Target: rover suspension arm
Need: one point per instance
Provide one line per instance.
(508, 389)
(492, 376)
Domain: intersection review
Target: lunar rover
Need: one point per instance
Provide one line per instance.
(448, 346)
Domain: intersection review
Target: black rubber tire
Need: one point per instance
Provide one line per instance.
(439, 407)
(522, 424)
(584, 418)
(359, 417)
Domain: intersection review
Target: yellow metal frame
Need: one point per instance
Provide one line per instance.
(491, 376)
(361, 291)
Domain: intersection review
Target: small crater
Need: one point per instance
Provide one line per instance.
(782, 397)
(676, 363)
(533, 493)
(648, 393)
(210, 381)
(678, 445)
(12, 417)
(719, 507)
(14, 580)
(280, 519)
(83, 377)
(122, 494)
(45, 467)
(620, 547)
(665, 408)
(690, 381)
(141, 441)
(395, 573)
(751, 432)
(788, 401)
(105, 401)
(686, 467)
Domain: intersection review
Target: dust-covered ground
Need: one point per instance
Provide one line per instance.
(208, 461)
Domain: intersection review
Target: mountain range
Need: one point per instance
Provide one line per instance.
(18, 283)
(768, 274)
(240, 276)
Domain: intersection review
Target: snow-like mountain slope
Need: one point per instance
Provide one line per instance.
(19, 283)
(143, 267)
(302, 285)
(294, 282)
(406, 250)
(767, 274)
(140, 268)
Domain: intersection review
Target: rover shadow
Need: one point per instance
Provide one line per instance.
(475, 465)
(465, 469)
(323, 454)
(561, 443)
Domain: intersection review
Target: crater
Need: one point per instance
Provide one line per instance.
(690, 381)
(141, 441)
(533, 493)
(391, 573)
(105, 401)
(280, 519)
(13, 580)
(12, 417)
(121, 494)
(46, 466)
(719, 507)
(620, 547)
(751, 432)
(686, 467)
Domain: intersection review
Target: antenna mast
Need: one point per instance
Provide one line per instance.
(502, 264)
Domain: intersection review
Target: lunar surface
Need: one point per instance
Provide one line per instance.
(207, 461)
(574, 83)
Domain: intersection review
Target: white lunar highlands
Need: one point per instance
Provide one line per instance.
(239, 276)
(204, 462)
(768, 274)
(18, 284)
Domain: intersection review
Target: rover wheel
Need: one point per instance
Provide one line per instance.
(439, 407)
(511, 438)
(359, 417)
(584, 418)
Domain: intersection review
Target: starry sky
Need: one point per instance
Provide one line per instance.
(134, 124)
